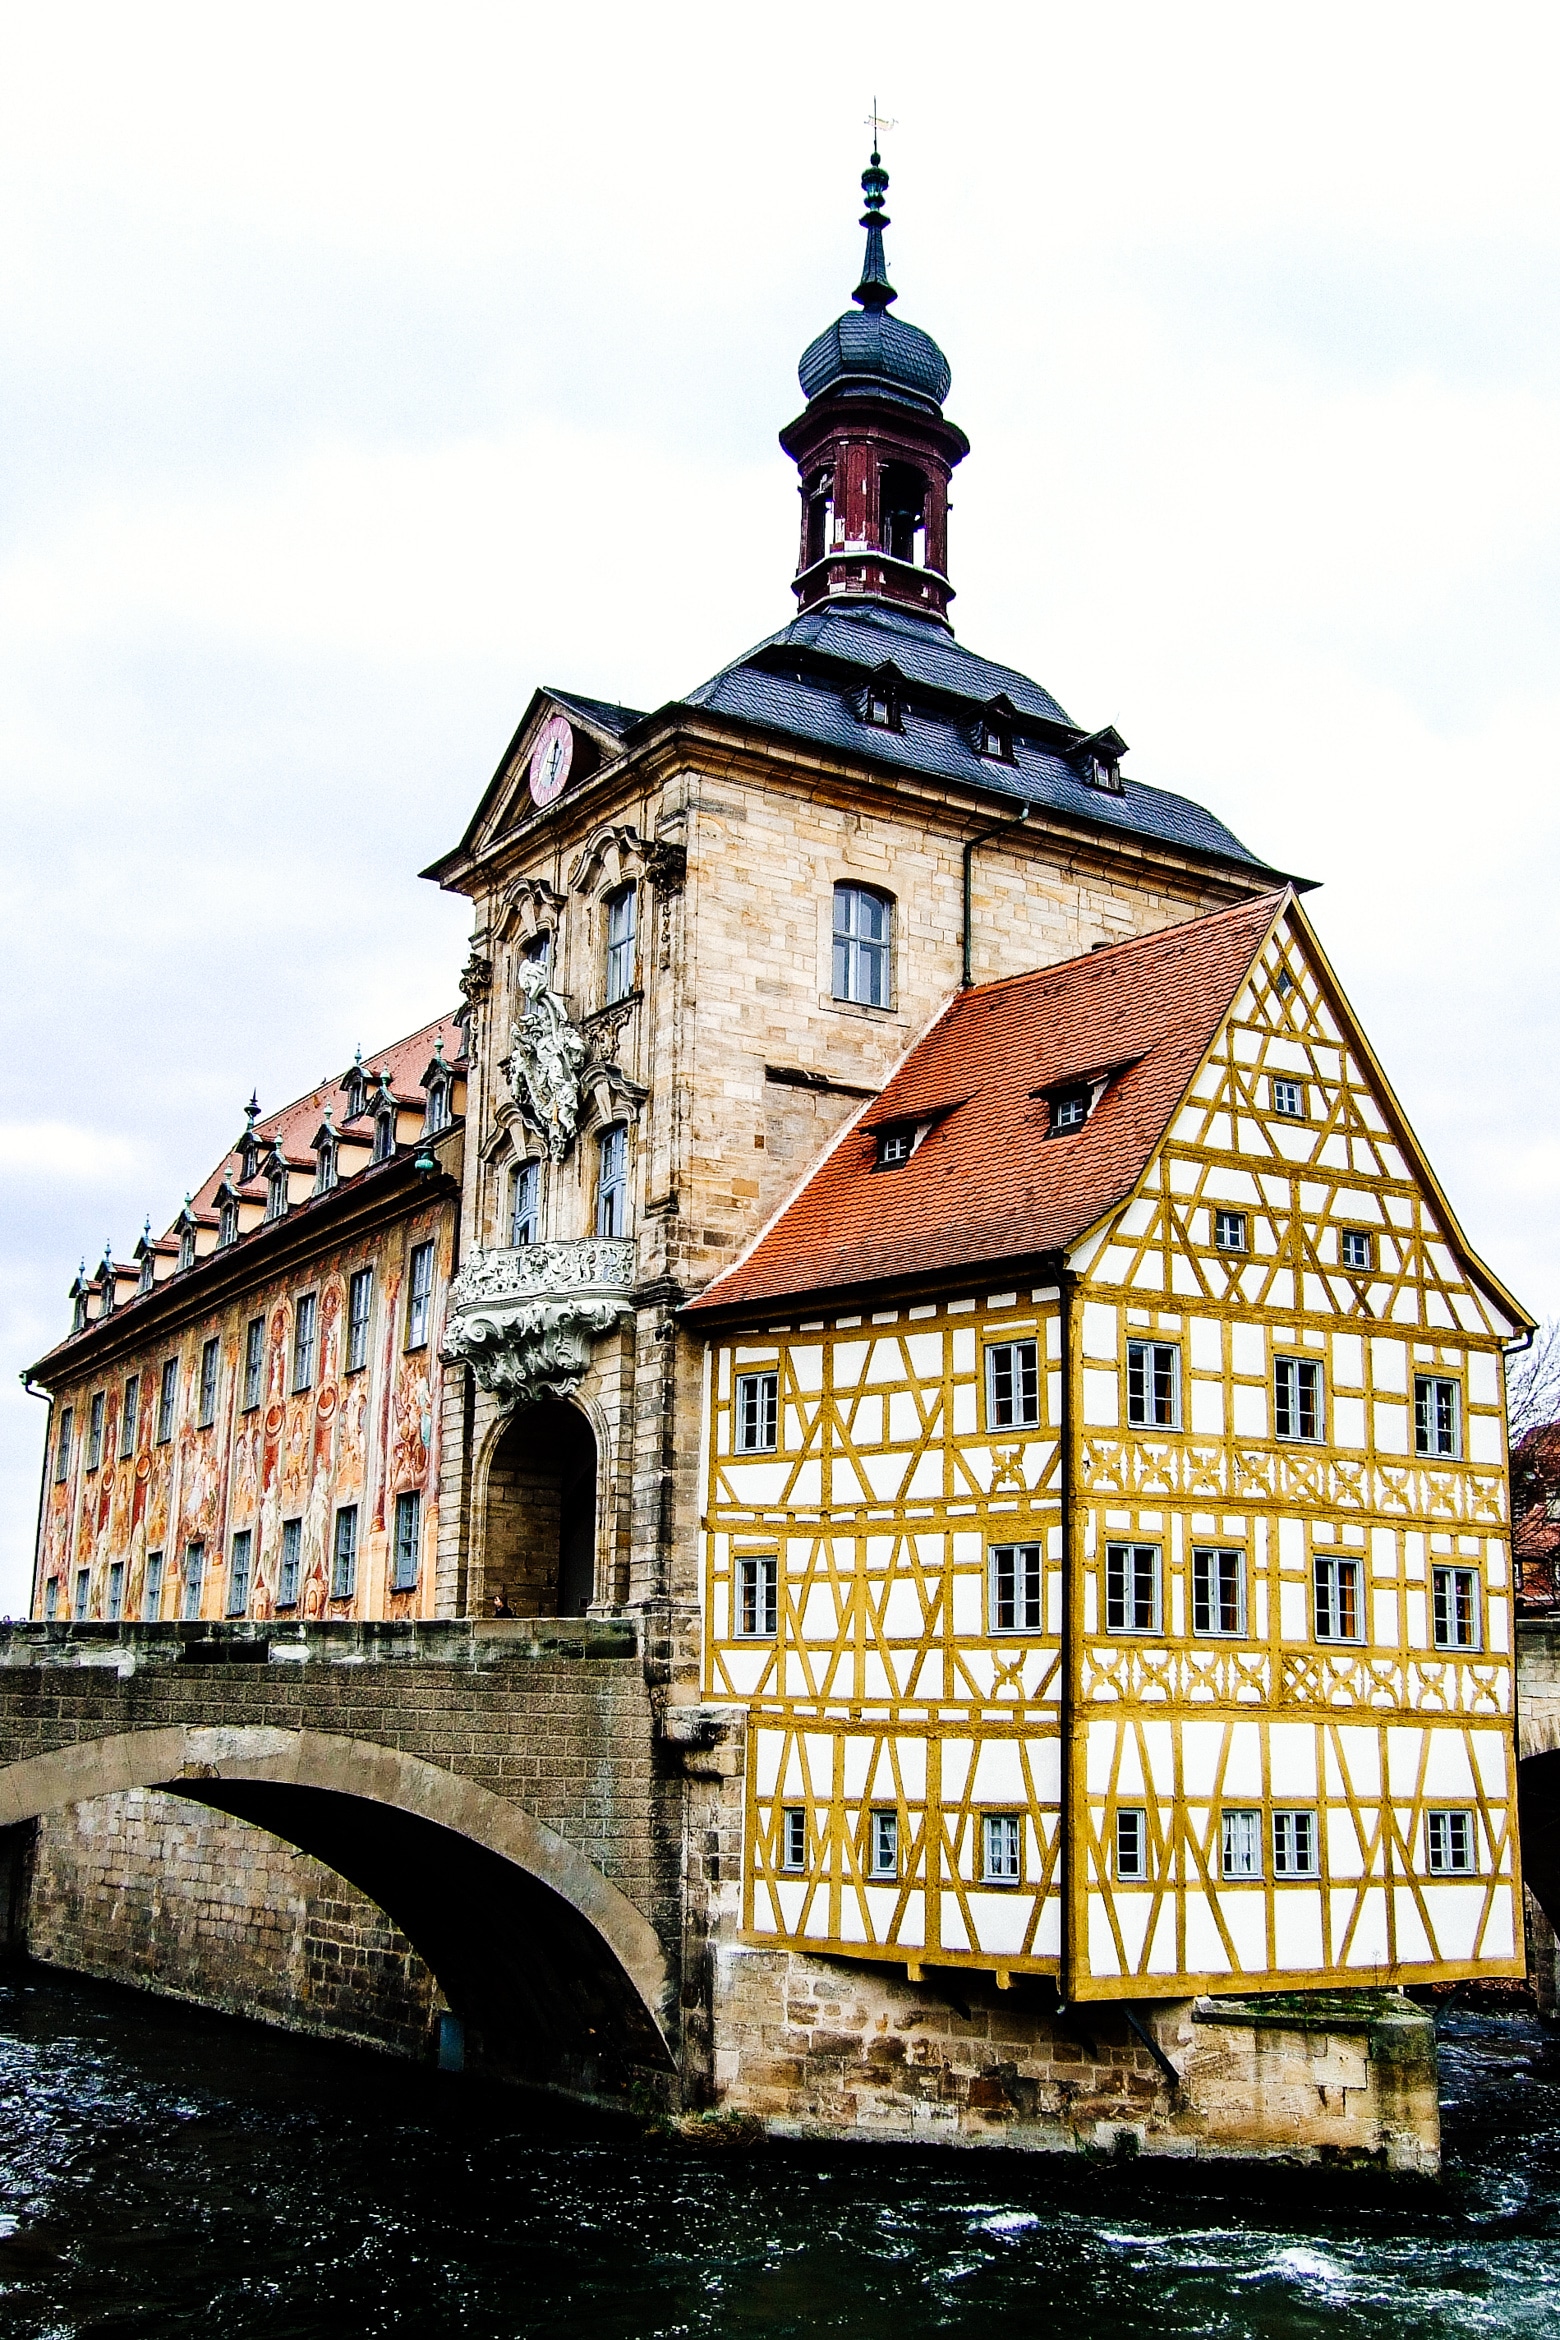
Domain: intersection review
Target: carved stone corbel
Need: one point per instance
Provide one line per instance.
(526, 1320)
(666, 865)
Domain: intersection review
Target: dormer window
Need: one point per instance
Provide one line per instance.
(148, 1271)
(78, 1314)
(187, 1244)
(227, 1222)
(895, 1146)
(248, 1159)
(276, 1191)
(384, 1131)
(882, 701)
(325, 1171)
(106, 1306)
(994, 735)
(356, 1087)
(1101, 774)
(1069, 1110)
(436, 1112)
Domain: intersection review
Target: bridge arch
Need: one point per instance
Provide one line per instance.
(558, 1978)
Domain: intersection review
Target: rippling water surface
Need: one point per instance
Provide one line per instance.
(165, 2172)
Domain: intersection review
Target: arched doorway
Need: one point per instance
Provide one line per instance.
(539, 1544)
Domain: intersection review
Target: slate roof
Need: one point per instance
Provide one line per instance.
(987, 1184)
(805, 682)
(618, 720)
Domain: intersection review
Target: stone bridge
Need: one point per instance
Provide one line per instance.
(503, 1791)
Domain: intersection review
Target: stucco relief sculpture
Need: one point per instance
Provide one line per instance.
(526, 1320)
(547, 1056)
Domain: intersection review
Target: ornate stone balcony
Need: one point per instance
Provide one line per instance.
(526, 1319)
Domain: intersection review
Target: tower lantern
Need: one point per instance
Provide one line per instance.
(873, 447)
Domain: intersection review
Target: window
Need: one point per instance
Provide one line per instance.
(1242, 1844)
(1069, 1110)
(360, 1302)
(210, 1357)
(538, 951)
(305, 1313)
(1016, 1588)
(419, 1296)
(1435, 1415)
(1295, 1845)
(820, 516)
(326, 1165)
(758, 1596)
(151, 1590)
(187, 1245)
(384, 1131)
(895, 1146)
(78, 1314)
(239, 1572)
(995, 739)
(1354, 1249)
(883, 1850)
(62, 1443)
(1337, 1585)
(1000, 1846)
(1283, 983)
(612, 1182)
(194, 1578)
(620, 943)
(343, 1557)
(1012, 1385)
(407, 1559)
(525, 1209)
(861, 946)
(95, 1431)
(1154, 1385)
(1131, 1844)
(292, 1553)
(276, 1191)
(1229, 1230)
(254, 1362)
(148, 1270)
(881, 707)
(167, 1395)
(128, 1414)
(1132, 1588)
(83, 1588)
(1297, 1397)
(436, 1110)
(1455, 1608)
(1449, 1843)
(902, 493)
(51, 1598)
(1289, 1100)
(1218, 1592)
(758, 1412)
(793, 1837)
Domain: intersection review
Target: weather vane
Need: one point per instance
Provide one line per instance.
(877, 123)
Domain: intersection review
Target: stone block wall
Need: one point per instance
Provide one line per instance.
(151, 1890)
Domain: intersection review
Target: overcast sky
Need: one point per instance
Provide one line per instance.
(364, 367)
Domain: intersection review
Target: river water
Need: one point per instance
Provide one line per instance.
(165, 2172)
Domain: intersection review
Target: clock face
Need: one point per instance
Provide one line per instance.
(550, 760)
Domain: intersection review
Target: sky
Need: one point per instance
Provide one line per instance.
(365, 366)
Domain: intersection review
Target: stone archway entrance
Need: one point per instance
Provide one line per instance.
(539, 1544)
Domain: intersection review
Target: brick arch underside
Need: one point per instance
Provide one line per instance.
(558, 1979)
(1538, 1825)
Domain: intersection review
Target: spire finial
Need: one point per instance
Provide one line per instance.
(874, 291)
(252, 1108)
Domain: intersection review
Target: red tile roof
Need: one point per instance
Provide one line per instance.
(986, 1184)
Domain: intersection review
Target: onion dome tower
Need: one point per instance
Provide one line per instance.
(874, 449)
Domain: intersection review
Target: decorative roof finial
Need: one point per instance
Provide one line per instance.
(252, 1108)
(874, 290)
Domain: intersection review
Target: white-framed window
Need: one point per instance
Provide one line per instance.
(758, 1596)
(863, 924)
(210, 1361)
(620, 943)
(240, 1563)
(1297, 1398)
(1153, 1385)
(1069, 1110)
(793, 1837)
(1131, 1843)
(276, 1191)
(1132, 1588)
(95, 1429)
(406, 1559)
(1356, 1250)
(343, 1554)
(1339, 1613)
(152, 1588)
(1449, 1843)
(419, 1295)
(167, 1399)
(1289, 1100)
(62, 1444)
(1218, 1590)
(305, 1318)
(436, 1107)
(882, 705)
(360, 1309)
(1002, 1848)
(254, 1362)
(384, 1131)
(1240, 1844)
(187, 1244)
(1455, 1608)
(194, 1577)
(1017, 1588)
(894, 1147)
(1296, 1848)
(525, 1204)
(1437, 1425)
(1012, 1385)
(1229, 1230)
(51, 1598)
(757, 1413)
(129, 1416)
(326, 1160)
(116, 1591)
(883, 1845)
(292, 1563)
(612, 1181)
(227, 1224)
(83, 1593)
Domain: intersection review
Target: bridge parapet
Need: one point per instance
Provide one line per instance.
(469, 1644)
